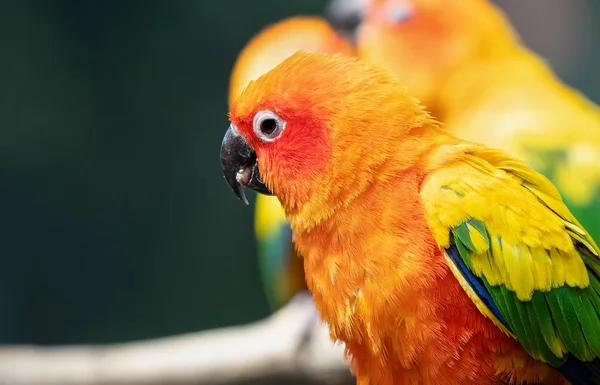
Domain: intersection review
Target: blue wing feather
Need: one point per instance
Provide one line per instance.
(475, 283)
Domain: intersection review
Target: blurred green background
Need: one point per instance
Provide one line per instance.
(116, 222)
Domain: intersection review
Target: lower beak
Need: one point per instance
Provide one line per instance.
(239, 164)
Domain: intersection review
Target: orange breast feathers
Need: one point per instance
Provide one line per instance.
(386, 291)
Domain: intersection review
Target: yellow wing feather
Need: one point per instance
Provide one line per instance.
(530, 229)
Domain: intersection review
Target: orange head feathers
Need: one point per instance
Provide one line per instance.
(421, 41)
(280, 40)
(305, 118)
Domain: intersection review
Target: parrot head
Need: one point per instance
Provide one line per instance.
(422, 41)
(266, 50)
(314, 129)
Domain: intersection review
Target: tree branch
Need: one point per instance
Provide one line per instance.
(290, 344)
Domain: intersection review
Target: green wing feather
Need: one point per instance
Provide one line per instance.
(514, 233)
(551, 323)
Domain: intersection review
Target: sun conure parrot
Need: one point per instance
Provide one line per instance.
(465, 62)
(281, 269)
(435, 260)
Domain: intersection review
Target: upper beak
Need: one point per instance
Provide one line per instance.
(345, 16)
(239, 164)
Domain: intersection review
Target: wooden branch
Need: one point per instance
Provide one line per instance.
(290, 344)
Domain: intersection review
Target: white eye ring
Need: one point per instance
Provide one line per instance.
(268, 126)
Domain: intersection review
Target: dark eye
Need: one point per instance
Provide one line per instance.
(268, 126)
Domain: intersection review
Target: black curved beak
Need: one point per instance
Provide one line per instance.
(239, 164)
(345, 16)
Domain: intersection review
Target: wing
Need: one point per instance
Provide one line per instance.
(518, 252)
(282, 270)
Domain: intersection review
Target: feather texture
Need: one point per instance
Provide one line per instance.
(536, 262)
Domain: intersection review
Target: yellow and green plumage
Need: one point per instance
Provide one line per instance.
(281, 269)
(526, 263)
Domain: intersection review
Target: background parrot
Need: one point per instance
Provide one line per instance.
(281, 269)
(436, 260)
(465, 62)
